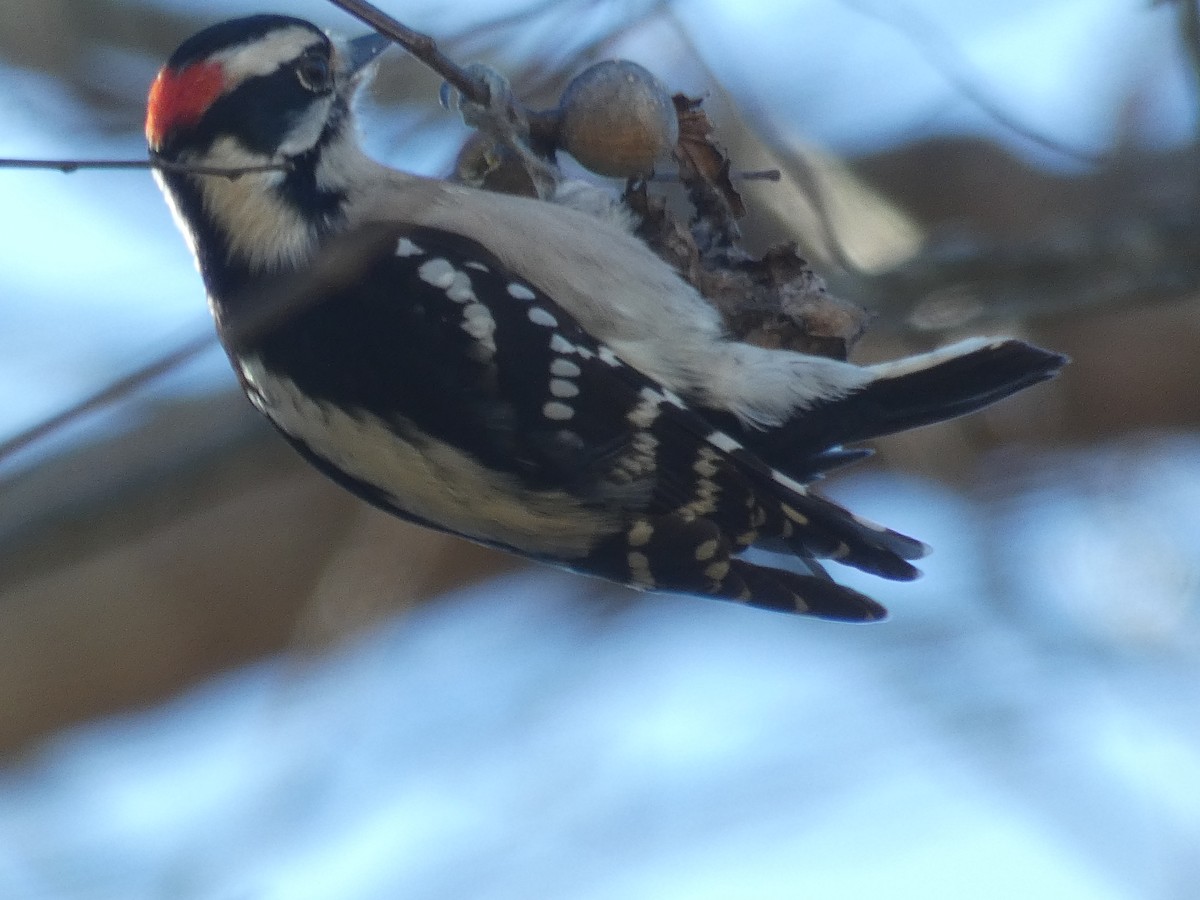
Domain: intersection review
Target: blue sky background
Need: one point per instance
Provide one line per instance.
(1025, 726)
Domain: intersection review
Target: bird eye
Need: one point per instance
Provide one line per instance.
(313, 72)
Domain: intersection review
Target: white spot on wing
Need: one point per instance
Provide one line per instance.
(479, 324)
(557, 411)
(645, 413)
(520, 292)
(639, 568)
(706, 464)
(460, 290)
(640, 533)
(561, 387)
(539, 316)
(799, 518)
(560, 344)
(437, 272)
(608, 357)
(477, 266)
(717, 571)
(405, 247)
(478, 311)
(564, 368)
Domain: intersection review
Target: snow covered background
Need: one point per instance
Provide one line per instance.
(541, 736)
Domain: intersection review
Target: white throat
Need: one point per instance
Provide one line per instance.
(266, 229)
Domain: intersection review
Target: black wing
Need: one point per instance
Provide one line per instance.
(430, 330)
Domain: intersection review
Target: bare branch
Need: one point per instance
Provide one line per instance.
(753, 175)
(73, 165)
(422, 46)
(943, 56)
(342, 260)
(106, 396)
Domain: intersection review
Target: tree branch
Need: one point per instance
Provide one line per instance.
(68, 166)
(106, 396)
(943, 56)
(422, 46)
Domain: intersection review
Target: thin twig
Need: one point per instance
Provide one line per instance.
(340, 262)
(810, 183)
(422, 46)
(941, 53)
(108, 395)
(755, 175)
(73, 165)
(541, 76)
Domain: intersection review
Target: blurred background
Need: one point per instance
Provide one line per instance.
(220, 677)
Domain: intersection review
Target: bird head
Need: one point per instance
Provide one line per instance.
(260, 89)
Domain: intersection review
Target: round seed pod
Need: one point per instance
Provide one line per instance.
(617, 119)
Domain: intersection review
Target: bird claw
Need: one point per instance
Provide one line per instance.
(502, 119)
(498, 116)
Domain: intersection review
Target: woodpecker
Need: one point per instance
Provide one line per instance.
(515, 371)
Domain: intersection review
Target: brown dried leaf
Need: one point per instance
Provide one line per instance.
(776, 301)
(779, 301)
(663, 232)
(704, 167)
(700, 159)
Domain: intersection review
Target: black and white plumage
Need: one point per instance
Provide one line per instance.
(519, 372)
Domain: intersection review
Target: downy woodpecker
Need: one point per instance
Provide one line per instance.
(515, 371)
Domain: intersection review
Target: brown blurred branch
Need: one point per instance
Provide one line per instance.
(1067, 268)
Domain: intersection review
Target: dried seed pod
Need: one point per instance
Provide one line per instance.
(617, 119)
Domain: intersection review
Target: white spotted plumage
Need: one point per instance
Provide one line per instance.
(437, 272)
(539, 316)
(557, 411)
(526, 374)
(563, 388)
(405, 247)
(564, 368)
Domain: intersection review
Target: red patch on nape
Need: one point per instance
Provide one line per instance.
(180, 98)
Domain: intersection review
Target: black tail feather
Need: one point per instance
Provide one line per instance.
(776, 589)
(690, 555)
(943, 390)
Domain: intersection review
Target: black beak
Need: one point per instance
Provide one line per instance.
(362, 51)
